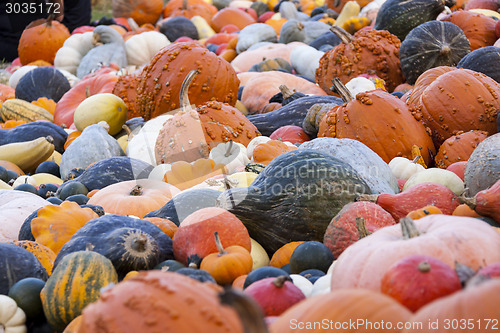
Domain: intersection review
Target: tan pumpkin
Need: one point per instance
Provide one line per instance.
(264, 153)
(134, 197)
(185, 175)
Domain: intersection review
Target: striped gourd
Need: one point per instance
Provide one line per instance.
(17, 109)
(75, 282)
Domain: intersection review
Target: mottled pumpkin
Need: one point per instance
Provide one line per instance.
(45, 255)
(367, 50)
(458, 148)
(158, 87)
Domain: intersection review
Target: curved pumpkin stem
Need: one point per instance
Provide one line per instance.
(342, 90)
(136, 191)
(471, 202)
(344, 36)
(285, 91)
(280, 280)
(228, 151)
(185, 4)
(361, 226)
(218, 244)
(409, 228)
(184, 99)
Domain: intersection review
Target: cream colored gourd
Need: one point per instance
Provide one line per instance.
(141, 48)
(18, 74)
(94, 144)
(240, 4)
(437, 175)
(68, 57)
(305, 60)
(4, 185)
(259, 255)
(350, 9)
(12, 317)
(204, 29)
(254, 143)
(302, 283)
(28, 154)
(142, 145)
(253, 34)
(322, 285)
(231, 154)
(403, 168)
(101, 107)
(222, 182)
(360, 84)
(159, 171)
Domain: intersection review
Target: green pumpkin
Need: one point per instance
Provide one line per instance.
(42, 82)
(311, 255)
(76, 282)
(294, 198)
(26, 293)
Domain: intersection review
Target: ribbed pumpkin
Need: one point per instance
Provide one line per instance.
(423, 81)
(159, 84)
(134, 197)
(190, 134)
(429, 45)
(56, 224)
(367, 50)
(478, 28)
(141, 11)
(156, 301)
(459, 100)
(458, 148)
(41, 40)
(75, 283)
(340, 307)
(42, 82)
(379, 120)
(45, 255)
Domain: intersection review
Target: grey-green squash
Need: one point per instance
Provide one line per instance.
(483, 166)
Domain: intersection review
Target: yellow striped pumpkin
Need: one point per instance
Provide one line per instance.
(17, 109)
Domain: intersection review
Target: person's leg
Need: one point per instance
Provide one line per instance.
(8, 49)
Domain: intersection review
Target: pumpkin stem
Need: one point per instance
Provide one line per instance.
(409, 228)
(300, 25)
(133, 24)
(228, 151)
(344, 36)
(50, 18)
(424, 267)
(87, 91)
(247, 309)
(127, 130)
(415, 159)
(139, 243)
(361, 226)
(368, 197)
(219, 244)
(285, 91)
(342, 90)
(184, 99)
(185, 4)
(464, 272)
(445, 51)
(280, 280)
(471, 202)
(89, 247)
(193, 265)
(137, 190)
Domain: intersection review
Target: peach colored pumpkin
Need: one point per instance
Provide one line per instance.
(247, 59)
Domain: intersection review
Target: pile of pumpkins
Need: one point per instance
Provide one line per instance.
(254, 166)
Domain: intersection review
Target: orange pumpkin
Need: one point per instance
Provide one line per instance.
(144, 28)
(165, 225)
(133, 197)
(11, 166)
(71, 137)
(6, 92)
(227, 264)
(189, 8)
(12, 123)
(184, 175)
(424, 211)
(74, 325)
(41, 40)
(231, 15)
(125, 88)
(155, 301)
(282, 256)
(141, 11)
(54, 225)
(458, 148)
(239, 282)
(478, 28)
(39, 63)
(465, 210)
(46, 103)
(266, 152)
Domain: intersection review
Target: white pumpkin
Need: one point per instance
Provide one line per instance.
(322, 285)
(68, 57)
(141, 48)
(403, 168)
(302, 283)
(159, 172)
(16, 206)
(259, 255)
(437, 175)
(72, 79)
(231, 154)
(360, 84)
(254, 143)
(12, 317)
(18, 74)
(142, 145)
(24, 179)
(305, 60)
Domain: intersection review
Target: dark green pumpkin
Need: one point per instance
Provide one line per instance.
(432, 44)
(170, 265)
(399, 17)
(262, 273)
(26, 293)
(185, 203)
(260, 7)
(290, 114)
(16, 264)
(111, 170)
(177, 27)
(272, 64)
(197, 274)
(42, 82)
(311, 255)
(485, 60)
(294, 198)
(97, 209)
(71, 188)
(76, 282)
(34, 130)
(131, 244)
